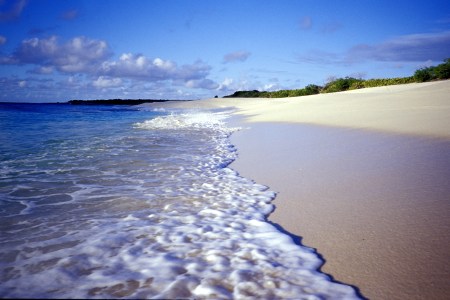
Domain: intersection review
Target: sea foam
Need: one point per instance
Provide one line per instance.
(193, 228)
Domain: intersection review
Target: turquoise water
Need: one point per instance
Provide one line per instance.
(134, 202)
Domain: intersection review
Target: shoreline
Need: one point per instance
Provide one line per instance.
(361, 176)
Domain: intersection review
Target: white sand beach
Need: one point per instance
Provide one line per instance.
(362, 176)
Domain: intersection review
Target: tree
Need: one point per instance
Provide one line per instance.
(340, 84)
(423, 75)
(312, 89)
(442, 71)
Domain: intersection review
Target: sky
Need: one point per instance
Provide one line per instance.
(59, 50)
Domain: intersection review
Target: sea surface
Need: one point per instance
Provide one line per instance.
(137, 202)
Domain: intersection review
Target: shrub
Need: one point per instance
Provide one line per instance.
(442, 71)
(357, 85)
(423, 75)
(340, 84)
(244, 94)
(312, 89)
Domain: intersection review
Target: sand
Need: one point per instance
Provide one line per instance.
(361, 176)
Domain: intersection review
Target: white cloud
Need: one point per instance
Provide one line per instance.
(85, 58)
(89, 56)
(104, 82)
(138, 66)
(2, 40)
(226, 84)
(43, 70)
(79, 54)
(238, 56)
(271, 87)
(230, 85)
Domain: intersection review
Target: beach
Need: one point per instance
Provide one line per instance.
(361, 176)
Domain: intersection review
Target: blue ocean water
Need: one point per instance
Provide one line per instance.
(136, 202)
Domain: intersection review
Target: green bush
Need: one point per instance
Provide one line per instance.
(357, 85)
(244, 94)
(442, 71)
(387, 81)
(340, 84)
(423, 75)
(312, 89)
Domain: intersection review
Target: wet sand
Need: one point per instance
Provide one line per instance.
(375, 206)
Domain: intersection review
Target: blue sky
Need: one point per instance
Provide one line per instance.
(52, 50)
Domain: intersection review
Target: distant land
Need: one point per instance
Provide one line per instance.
(116, 101)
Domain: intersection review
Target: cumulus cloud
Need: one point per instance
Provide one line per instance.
(11, 10)
(91, 62)
(230, 85)
(238, 56)
(226, 85)
(90, 56)
(413, 48)
(43, 70)
(79, 54)
(138, 66)
(105, 82)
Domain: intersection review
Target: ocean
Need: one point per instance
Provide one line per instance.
(138, 202)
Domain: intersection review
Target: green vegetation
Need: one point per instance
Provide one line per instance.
(382, 82)
(438, 72)
(341, 84)
(246, 94)
(308, 90)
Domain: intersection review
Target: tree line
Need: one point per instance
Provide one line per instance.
(439, 72)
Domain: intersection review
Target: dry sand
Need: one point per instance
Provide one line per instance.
(362, 176)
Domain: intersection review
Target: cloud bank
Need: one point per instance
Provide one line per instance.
(138, 66)
(412, 48)
(92, 57)
(407, 48)
(91, 62)
(79, 54)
